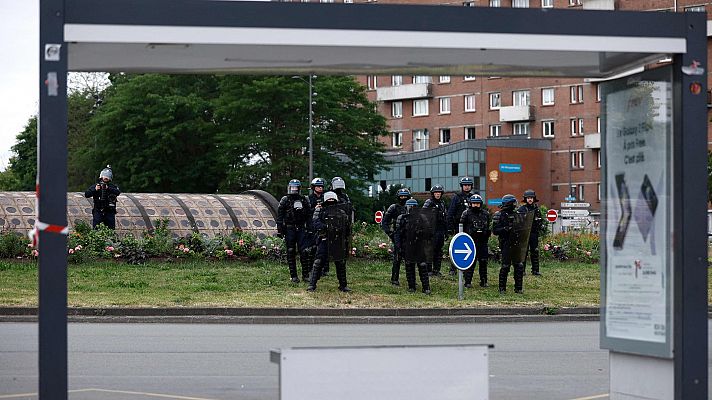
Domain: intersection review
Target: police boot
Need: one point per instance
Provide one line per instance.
(483, 273)
(315, 275)
(424, 278)
(503, 273)
(535, 263)
(395, 271)
(469, 273)
(341, 276)
(518, 278)
(292, 264)
(410, 276)
(306, 266)
(437, 263)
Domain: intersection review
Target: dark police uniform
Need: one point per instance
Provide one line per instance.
(402, 227)
(440, 230)
(320, 225)
(388, 224)
(104, 211)
(476, 223)
(293, 220)
(502, 226)
(533, 249)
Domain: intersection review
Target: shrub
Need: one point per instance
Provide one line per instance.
(132, 251)
(159, 243)
(13, 244)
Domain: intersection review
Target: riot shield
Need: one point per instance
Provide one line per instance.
(338, 230)
(520, 235)
(419, 234)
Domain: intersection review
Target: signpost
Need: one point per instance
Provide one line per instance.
(575, 205)
(570, 198)
(551, 216)
(574, 213)
(462, 255)
(379, 216)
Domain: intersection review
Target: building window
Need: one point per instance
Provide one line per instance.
(495, 100)
(420, 139)
(495, 3)
(598, 92)
(598, 124)
(574, 160)
(547, 129)
(520, 129)
(470, 77)
(444, 105)
(580, 192)
(574, 126)
(580, 126)
(326, 1)
(421, 79)
(444, 78)
(444, 136)
(576, 94)
(572, 190)
(547, 97)
(598, 158)
(547, 3)
(580, 159)
(520, 98)
(428, 184)
(454, 170)
(598, 188)
(397, 109)
(520, 3)
(469, 102)
(468, 4)
(372, 82)
(397, 80)
(397, 139)
(408, 172)
(575, 2)
(695, 9)
(420, 107)
(495, 130)
(469, 133)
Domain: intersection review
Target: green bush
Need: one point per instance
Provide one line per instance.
(159, 243)
(584, 247)
(13, 244)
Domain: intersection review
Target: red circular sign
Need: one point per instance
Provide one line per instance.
(379, 217)
(551, 215)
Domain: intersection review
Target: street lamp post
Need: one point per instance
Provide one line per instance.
(311, 129)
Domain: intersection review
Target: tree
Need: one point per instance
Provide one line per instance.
(264, 133)
(157, 132)
(23, 163)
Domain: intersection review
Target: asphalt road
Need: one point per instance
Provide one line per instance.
(548, 361)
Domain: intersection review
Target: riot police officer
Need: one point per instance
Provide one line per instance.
(316, 197)
(459, 203)
(104, 193)
(436, 201)
(333, 226)
(410, 240)
(503, 227)
(530, 205)
(293, 220)
(476, 222)
(388, 224)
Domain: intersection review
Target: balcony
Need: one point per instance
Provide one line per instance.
(592, 140)
(516, 113)
(599, 4)
(404, 92)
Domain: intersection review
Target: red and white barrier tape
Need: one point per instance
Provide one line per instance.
(41, 226)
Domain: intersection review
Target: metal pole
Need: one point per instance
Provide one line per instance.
(460, 283)
(52, 201)
(311, 137)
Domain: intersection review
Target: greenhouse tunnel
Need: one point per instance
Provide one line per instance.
(253, 211)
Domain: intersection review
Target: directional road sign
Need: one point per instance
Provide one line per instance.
(574, 213)
(575, 205)
(570, 198)
(462, 251)
(551, 216)
(379, 216)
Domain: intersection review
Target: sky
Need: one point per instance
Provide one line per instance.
(19, 69)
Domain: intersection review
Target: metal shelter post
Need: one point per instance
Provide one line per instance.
(52, 201)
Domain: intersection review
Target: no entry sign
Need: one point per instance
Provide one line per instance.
(379, 217)
(552, 215)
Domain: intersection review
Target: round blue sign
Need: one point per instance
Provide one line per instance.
(462, 251)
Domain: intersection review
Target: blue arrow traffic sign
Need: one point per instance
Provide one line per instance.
(462, 251)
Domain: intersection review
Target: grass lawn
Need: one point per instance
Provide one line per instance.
(203, 283)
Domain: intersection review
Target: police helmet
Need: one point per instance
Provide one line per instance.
(403, 192)
(436, 189)
(338, 183)
(411, 203)
(476, 199)
(466, 180)
(530, 193)
(294, 186)
(317, 182)
(106, 173)
(330, 196)
(508, 200)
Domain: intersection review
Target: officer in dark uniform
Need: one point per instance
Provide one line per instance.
(338, 186)
(530, 205)
(340, 224)
(403, 224)
(459, 203)
(316, 197)
(388, 224)
(436, 201)
(104, 194)
(293, 221)
(503, 226)
(476, 222)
